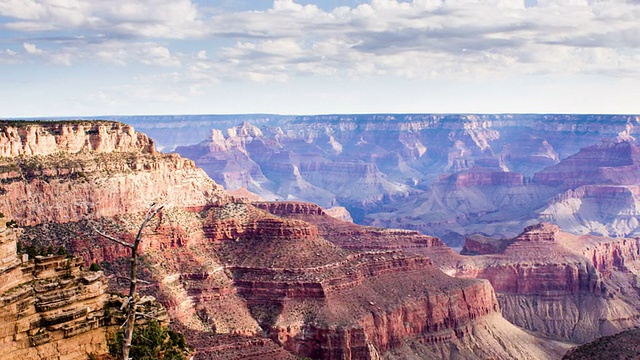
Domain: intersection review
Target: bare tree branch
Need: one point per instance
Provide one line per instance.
(133, 300)
(148, 316)
(129, 279)
(108, 237)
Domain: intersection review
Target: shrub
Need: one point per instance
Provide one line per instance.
(151, 341)
(62, 251)
(94, 267)
(32, 251)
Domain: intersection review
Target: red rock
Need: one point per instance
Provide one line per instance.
(318, 286)
(574, 287)
(607, 163)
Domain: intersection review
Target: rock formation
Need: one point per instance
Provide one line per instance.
(51, 309)
(443, 175)
(65, 171)
(572, 287)
(287, 274)
(624, 345)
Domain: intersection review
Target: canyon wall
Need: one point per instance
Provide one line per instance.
(572, 287)
(51, 308)
(64, 172)
(286, 271)
(442, 175)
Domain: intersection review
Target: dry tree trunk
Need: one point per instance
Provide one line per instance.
(132, 300)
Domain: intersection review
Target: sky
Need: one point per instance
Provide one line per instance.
(118, 57)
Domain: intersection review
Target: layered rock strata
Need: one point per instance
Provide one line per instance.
(571, 287)
(51, 309)
(443, 175)
(231, 267)
(66, 171)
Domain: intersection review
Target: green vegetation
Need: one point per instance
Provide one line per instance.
(62, 251)
(151, 341)
(94, 267)
(34, 251)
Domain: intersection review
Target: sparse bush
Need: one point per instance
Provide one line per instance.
(32, 251)
(94, 267)
(151, 341)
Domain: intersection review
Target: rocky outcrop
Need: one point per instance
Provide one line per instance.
(625, 345)
(483, 178)
(482, 245)
(333, 303)
(20, 138)
(340, 213)
(606, 210)
(576, 288)
(246, 271)
(609, 162)
(92, 169)
(50, 307)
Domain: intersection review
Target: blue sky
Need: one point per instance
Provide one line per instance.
(100, 57)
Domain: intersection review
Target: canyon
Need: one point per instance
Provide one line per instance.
(443, 175)
(242, 277)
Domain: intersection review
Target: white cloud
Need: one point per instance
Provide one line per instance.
(429, 38)
(32, 49)
(143, 18)
(466, 40)
(113, 52)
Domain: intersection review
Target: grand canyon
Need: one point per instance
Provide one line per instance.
(326, 237)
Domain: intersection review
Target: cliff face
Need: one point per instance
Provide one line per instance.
(63, 172)
(246, 157)
(50, 307)
(576, 288)
(241, 270)
(609, 162)
(321, 301)
(31, 139)
(599, 190)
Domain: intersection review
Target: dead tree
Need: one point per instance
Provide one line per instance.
(133, 299)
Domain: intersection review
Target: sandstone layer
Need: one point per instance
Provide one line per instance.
(51, 309)
(66, 172)
(572, 287)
